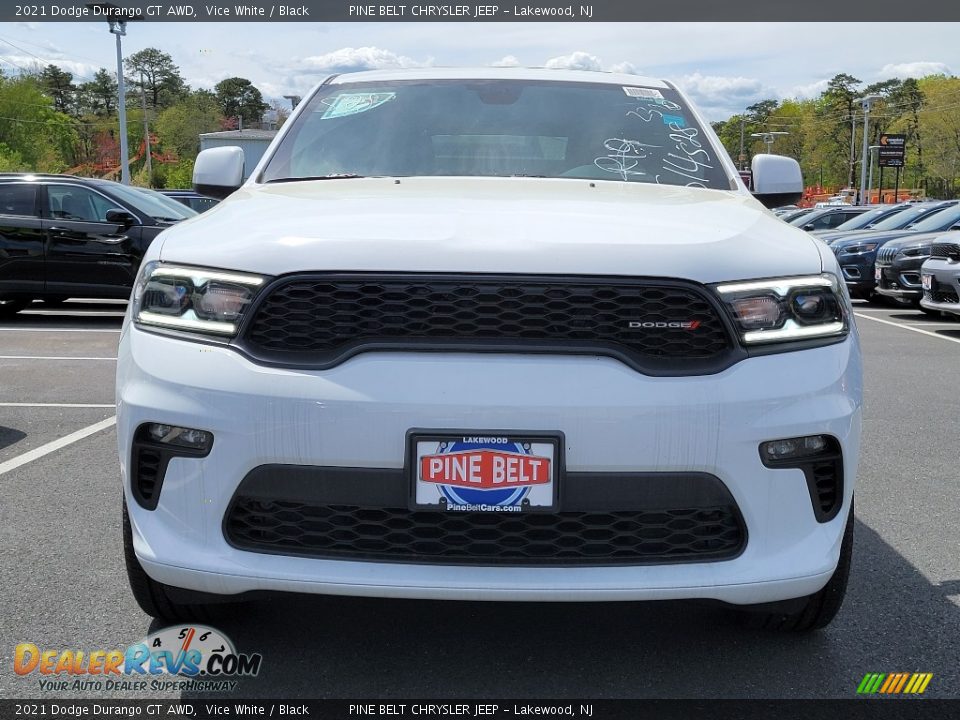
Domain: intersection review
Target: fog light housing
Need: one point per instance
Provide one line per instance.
(180, 436)
(820, 458)
(792, 448)
(154, 446)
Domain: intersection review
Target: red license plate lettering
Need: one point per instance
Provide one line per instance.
(485, 469)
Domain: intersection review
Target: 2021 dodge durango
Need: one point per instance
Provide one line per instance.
(496, 334)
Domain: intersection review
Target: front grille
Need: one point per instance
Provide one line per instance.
(568, 538)
(946, 250)
(322, 320)
(942, 296)
(885, 255)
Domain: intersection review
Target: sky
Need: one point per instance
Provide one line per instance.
(723, 67)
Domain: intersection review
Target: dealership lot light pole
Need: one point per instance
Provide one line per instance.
(119, 28)
(865, 102)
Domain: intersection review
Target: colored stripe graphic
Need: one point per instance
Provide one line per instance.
(894, 683)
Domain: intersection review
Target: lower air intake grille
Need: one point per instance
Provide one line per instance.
(569, 538)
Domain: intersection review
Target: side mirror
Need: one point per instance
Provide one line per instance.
(808, 226)
(217, 172)
(120, 217)
(777, 180)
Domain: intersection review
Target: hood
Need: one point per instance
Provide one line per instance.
(921, 239)
(872, 236)
(493, 225)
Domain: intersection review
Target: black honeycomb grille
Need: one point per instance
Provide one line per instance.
(946, 250)
(324, 319)
(942, 295)
(569, 538)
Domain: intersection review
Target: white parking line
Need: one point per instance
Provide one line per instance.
(52, 357)
(55, 445)
(910, 328)
(57, 405)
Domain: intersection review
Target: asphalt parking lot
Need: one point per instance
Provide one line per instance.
(62, 583)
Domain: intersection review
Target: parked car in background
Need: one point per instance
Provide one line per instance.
(63, 236)
(863, 221)
(940, 277)
(191, 199)
(794, 214)
(897, 269)
(904, 218)
(858, 252)
(828, 217)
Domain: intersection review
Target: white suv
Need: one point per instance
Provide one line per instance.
(498, 335)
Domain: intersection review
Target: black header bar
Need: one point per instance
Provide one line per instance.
(487, 11)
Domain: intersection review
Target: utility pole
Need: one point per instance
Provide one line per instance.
(743, 157)
(119, 29)
(146, 132)
(866, 103)
(870, 175)
(853, 145)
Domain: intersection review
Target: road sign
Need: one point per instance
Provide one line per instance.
(892, 149)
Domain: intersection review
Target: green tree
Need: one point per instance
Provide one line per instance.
(99, 96)
(58, 84)
(180, 125)
(840, 97)
(155, 73)
(238, 97)
(36, 136)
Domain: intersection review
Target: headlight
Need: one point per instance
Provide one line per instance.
(210, 302)
(858, 249)
(785, 309)
(915, 252)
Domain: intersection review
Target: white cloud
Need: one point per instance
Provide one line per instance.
(627, 68)
(350, 59)
(507, 61)
(578, 60)
(914, 69)
(808, 91)
(720, 96)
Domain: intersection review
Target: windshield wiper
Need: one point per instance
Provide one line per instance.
(331, 176)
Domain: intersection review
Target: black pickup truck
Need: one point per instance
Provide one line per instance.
(63, 236)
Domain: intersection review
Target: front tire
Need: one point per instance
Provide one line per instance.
(154, 598)
(812, 612)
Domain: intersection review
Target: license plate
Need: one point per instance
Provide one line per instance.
(877, 274)
(492, 472)
(927, 282)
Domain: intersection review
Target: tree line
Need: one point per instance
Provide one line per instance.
(822, 130)
(51, 121)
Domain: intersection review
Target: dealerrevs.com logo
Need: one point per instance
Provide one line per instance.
(185, 657)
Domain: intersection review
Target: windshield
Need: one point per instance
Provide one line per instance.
(152, 203)
(862, 220)
(498, 128)
(939, 221)
(904, 217)
(806, 217)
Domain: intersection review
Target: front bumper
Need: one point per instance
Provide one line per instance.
(901, 279)
(613, 418)
(858, 272)
(945, 293)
